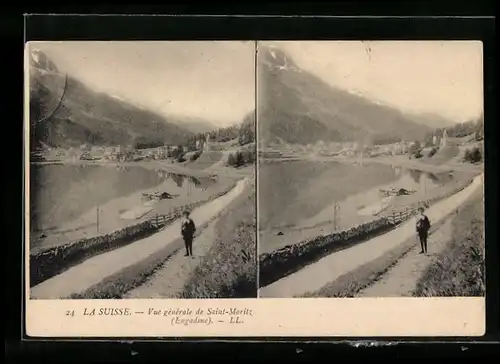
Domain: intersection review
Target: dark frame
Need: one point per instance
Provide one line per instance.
(220, 27)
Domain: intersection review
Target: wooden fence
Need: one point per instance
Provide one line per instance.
(161, 220)
(396, 217)
(403, 214)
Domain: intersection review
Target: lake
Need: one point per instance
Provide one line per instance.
(61, 193)
(291, 191)
(294, 192)
(302, 199)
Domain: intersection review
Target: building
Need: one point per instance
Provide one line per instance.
(199, 144)
(97, 149)
(161, 152)
(444, 139)
(206, 145)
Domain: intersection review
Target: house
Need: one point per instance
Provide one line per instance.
(97, 149)
(444, 139)
(161, 152)
(95, 153)
(113, 150)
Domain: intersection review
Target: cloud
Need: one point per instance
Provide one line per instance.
(443, 77)
(212, 80)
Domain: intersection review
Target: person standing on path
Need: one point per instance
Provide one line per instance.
(188, 229)
(423, 226)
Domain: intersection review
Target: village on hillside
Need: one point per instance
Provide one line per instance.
(186, 152)
(116, 153)
(462, 137)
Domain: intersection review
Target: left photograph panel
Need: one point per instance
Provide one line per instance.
(140, 170)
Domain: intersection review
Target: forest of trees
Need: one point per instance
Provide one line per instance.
(241, 158)
(146, 143)
(383, 139)
(244, 133)
(460, 130)
(473, 155)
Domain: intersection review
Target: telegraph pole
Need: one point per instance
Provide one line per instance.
(335, 208)
(97, 218)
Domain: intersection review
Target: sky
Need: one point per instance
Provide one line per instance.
(210, 80)
(439, 77)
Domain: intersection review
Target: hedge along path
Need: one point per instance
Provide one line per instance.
(314, 276)
(92, 271)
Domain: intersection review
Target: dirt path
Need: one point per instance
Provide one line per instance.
(92, 271)
(401, 280)
(326, 270)
(169, 280)
(220, 163)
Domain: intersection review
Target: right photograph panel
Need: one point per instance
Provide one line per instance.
(370, 169)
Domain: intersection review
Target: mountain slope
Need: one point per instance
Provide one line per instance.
(65, 112)
(433, 121)
(298, 107)
(194, 125)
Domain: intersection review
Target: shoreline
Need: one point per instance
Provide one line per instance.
(155, 164)
(399, 160)
(85, 226)
(280, 236)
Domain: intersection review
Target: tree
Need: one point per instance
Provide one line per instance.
(432, 152)
(177, 153)
(231, 161)
(249, 156)
(240, 160)
(383, 139)
(415, 147)
(480, 129)
(473, 156)
(195, 156)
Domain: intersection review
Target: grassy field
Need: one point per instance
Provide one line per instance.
(229, 268)
(205, 160)
(459, 270)
(443, 155)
